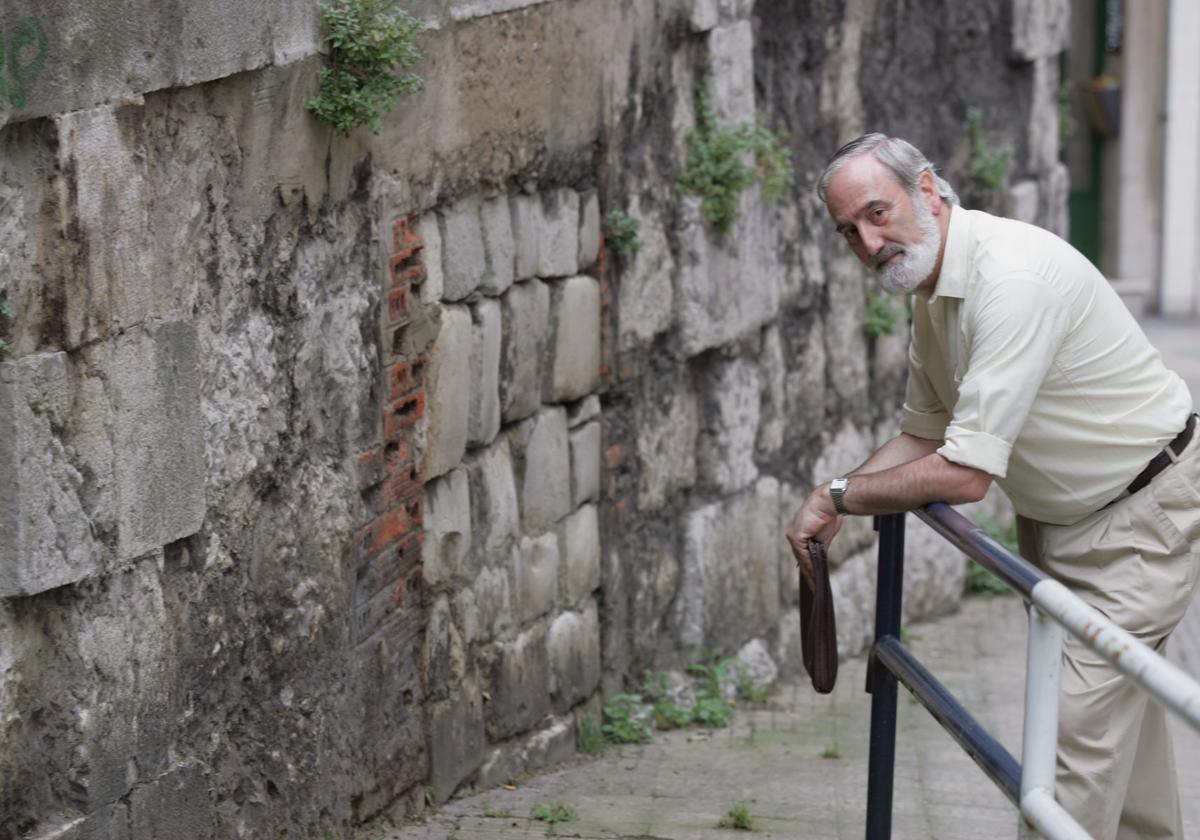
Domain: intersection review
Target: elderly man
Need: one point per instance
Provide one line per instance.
(1025, 368)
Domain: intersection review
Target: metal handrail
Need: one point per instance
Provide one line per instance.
(1053, 609)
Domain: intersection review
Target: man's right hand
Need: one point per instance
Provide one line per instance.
(817, 519)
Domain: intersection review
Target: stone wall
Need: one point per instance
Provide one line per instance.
(347, 472)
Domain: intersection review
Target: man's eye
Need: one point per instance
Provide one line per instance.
(879, 214)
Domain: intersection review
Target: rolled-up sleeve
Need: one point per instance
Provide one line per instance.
(1013, 332)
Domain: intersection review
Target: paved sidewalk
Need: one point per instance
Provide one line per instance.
(771, 760)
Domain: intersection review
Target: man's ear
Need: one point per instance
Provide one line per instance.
(929, 192)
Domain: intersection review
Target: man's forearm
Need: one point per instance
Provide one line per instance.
(914, 484)
(901, 449)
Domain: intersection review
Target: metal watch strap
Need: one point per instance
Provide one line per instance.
(837, 489)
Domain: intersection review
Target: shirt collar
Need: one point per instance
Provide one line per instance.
(956, 259)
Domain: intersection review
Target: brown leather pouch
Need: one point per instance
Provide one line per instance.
(818, 629)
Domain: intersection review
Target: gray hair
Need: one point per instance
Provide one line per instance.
(902, 159)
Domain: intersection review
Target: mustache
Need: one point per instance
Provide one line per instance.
(885, 253)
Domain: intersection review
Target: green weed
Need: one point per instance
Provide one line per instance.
(881, 316)
(591, 739)
(986, 168)
(979, 581)
(623, 724)
(832, 751)
(555, 812)
(369, 41)
(737, 817)
(621, 232)
(716, 170)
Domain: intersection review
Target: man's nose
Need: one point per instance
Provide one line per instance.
(872, 241)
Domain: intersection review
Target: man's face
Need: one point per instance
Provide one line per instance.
(892, 235)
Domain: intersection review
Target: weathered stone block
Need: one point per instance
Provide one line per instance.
(704, 15)
(583, 411)
(1040, 28)
(158, 435)
(457, 742)
(495, 515)
(646, 303)
(731, 80)
(582, 538)
(464, 262)
(589, 229)
(553, 744)
(1052, 203)
(576, 312)
(772, 374)
(730, 394)
(444, 658)
(558, 246)
(493, 599)
(728, 286)
(804, 383)
(573, 645)
(753, 664)
(1023, 201)
(174, 805)
(448, 392)
(526, 316)
(845, 342)
(45, 538)
(543, 450)
(431, 235)
(667, 428)
(585, 464)
(483, 422)
(537, 576)
(498, 246)
(1043, 117)
(447, 529)
(730, 576)
(526, 216)
(519, 678)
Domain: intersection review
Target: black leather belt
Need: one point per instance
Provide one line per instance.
(1162, 460)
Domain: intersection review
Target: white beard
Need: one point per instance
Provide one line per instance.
(917, 261)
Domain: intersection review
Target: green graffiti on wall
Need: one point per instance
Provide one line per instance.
(22, 55)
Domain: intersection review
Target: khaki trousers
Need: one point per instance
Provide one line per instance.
(1135, 561)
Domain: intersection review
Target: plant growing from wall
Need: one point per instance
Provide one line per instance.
(881, 315)
(6, 318)
(622, 232)
(372, 45)
(716, 169)
(987, 168)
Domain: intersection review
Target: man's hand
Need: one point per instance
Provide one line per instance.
(817, 518)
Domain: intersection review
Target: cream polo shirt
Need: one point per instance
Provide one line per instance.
(1030, 368)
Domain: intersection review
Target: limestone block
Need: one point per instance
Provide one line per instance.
(573, 646)
(498, 246)
(646, 302)
(1040, 28)
(730, 394)
(176, 804)
(548, 746)
(467, 9)
(1052, 204)
(519, 678)
(464, 262)
(558, 245)
(804, 382)
(444, 658)
(495, 515)
(853, 587)
(727, 285)
(667, 424)
(493, 600)
(526, 316)
(589, 229)
(1023, 201)
(447, 529)
(537, 576)
(582, 566)
(483, 419)
(753, 664)
(457, 741)
(158, 435)
(45, 537)
(448, 392)
(576, 313)
(583, 411)
(110, 822)
(431, 235)
(731, 82)
(772, 373)
(729, 586)
(1043, 117)
(704, 15)
(585, 464)
(788, 649)
(543, 449)
(845, 342)
(526, 218)
(735, 10)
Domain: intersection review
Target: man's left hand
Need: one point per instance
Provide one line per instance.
(817, 518)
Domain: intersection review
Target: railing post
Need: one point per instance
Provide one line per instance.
(1043, 675)
(881, 683)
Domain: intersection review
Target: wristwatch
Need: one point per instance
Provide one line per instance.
(837, 490)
